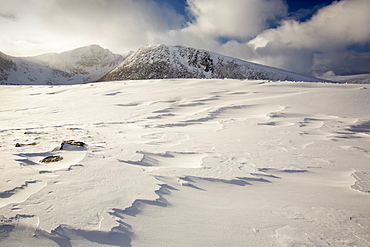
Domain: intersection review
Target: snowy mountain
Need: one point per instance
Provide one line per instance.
(161, 61)
(81, 65)
(94, 63)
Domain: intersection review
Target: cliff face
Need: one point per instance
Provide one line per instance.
(161, 61)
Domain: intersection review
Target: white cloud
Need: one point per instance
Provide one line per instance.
(57, 25)
(241, 19)
(332, 29)
(37, 26)
(233, 19)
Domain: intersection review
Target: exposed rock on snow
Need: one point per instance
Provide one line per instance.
(52, 158)
(162, 61)
(67, 144)
(25, 144)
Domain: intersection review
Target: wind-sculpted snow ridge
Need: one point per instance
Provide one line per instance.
(162, 61)
(185, 162)
(82, 65)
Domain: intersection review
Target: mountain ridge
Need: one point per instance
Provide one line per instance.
(96, 64)
(163, 61)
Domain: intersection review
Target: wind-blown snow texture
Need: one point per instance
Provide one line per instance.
(162, 61)
(185, 162)
(82, 65)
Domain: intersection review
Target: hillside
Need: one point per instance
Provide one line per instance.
(161, 61)
(81, 65)
(6, 65)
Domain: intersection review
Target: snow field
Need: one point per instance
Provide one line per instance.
(186, 163)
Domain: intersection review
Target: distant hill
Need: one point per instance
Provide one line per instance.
(354, 79)
(162, 61)
(82, 65)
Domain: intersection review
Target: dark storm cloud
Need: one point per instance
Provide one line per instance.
(342, 63)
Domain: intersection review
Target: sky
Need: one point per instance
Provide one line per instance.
(309, 37)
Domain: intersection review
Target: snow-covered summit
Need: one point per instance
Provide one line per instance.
(91, 61)
(162, 61)
(81, 65)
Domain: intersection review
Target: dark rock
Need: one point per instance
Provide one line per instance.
(25, 144)
(52, 158)
(72, 142)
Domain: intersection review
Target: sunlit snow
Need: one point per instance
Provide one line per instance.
(186, 162)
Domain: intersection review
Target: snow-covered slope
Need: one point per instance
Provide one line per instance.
(85, 64)
(162, 61)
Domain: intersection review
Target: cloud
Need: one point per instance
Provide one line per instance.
(292, 45)
(260, 31)
(236, 21)
(331, 30)
(234, 18)
(8, 16)
(342, 63)
(57, 25)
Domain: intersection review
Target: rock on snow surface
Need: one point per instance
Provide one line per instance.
(186, 163)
